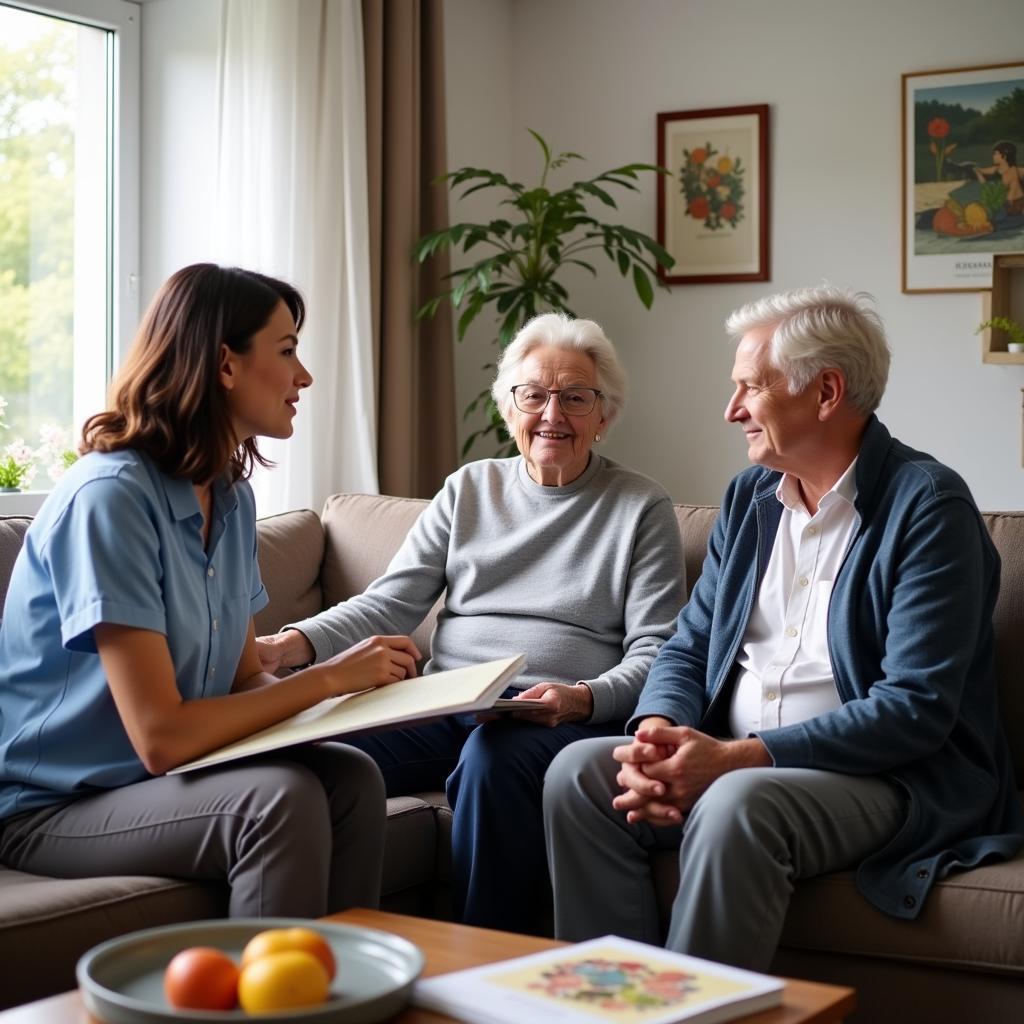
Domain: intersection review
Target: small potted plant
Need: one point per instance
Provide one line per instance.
(1013, 331)
(16, 466)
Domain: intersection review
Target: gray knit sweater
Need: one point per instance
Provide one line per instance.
(585, 580)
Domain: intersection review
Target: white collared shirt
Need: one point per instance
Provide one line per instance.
(785, 673)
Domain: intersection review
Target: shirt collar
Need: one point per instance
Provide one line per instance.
(183, 503)
(844, 489)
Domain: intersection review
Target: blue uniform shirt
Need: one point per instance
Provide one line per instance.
(118, 541)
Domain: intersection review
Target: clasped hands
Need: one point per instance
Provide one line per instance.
(668, 767)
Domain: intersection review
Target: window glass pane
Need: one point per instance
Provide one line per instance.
(54, 235)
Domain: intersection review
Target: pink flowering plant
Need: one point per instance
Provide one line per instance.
(19, 462)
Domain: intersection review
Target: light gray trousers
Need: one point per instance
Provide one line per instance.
(295, 834)
(751, 835)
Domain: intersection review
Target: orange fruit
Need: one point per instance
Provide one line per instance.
(277, 940)
(201, 978)
(282, 981)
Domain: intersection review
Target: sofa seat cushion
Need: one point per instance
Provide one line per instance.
(410, 850)
(66, 916)
(971, 921)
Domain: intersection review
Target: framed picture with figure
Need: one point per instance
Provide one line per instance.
(963, 185)
(713, 205)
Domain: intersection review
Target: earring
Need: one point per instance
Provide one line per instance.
(597, 437)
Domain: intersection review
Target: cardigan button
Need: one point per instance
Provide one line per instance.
(910, 902)
(923, 873)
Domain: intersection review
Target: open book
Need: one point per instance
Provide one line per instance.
(601, 981)
(473, 688)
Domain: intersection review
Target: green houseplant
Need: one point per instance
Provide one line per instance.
(1014, 331)
(525, 254)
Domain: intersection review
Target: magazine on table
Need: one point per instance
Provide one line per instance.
(601, 981)
(471, 688)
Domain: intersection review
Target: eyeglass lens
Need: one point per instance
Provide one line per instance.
(533, 398)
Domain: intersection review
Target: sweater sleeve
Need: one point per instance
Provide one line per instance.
(655, 591)
(397, 602)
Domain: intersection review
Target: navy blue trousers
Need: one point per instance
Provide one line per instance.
(494, 777)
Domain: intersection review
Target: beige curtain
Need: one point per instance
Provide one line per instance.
(404, 52)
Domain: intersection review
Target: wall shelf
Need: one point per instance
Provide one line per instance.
(1005, 299)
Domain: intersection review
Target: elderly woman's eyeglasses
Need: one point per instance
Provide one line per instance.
(532, 398)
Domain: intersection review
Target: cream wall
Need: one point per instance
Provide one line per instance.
(591, 75)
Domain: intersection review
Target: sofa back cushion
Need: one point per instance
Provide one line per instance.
(291, 555)
(363, 532)
(12, 533)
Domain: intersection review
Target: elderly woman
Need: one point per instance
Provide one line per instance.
(560, 554)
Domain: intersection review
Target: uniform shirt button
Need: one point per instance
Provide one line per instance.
(803, 581)
(791, 631)
(771, 695)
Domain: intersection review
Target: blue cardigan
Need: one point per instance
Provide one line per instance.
(910, 639)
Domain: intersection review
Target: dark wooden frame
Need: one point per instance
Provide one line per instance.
(668, 187)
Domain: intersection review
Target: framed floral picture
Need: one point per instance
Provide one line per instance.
(713, 205)
(963, 186)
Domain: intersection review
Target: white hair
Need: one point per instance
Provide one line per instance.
(814, 329)
(559, 330)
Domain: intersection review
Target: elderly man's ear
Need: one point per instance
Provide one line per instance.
(831, 392)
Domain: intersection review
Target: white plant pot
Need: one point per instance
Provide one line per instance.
(1015, 346)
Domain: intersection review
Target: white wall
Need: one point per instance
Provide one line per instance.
(591, 75)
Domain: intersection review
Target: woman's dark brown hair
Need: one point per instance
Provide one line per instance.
(167, 399)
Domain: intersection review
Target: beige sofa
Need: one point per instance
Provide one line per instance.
(963, 960)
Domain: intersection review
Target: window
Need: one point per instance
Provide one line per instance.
(68, 224)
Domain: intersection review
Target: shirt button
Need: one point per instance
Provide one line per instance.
(209, 572)
(803, 581)
(771, 695)
(213, 672)
(791, 631)
(811, 530)
(216, 625)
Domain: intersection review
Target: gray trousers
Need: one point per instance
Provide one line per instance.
(298, 834)
(751, 835)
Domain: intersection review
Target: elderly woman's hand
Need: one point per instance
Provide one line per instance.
(563, 703)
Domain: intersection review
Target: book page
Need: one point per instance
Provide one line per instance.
(472, 688)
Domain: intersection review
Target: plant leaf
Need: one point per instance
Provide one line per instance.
(642, 283)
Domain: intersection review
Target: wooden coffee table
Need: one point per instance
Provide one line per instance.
(450, 947)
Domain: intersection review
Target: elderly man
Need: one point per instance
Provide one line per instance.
(828, 701)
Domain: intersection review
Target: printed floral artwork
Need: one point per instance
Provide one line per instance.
(713, 186)
(713, 202)
(616, 984)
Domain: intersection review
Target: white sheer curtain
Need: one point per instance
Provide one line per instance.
(292, 202)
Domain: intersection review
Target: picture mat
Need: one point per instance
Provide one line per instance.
(505, 992)
(472, 688)
(698, 250)
(949, 263)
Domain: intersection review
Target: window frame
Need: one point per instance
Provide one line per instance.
(123, 18)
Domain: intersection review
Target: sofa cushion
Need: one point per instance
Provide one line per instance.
(291, 552)
(66, 916)
(12, 533)
(361, 532)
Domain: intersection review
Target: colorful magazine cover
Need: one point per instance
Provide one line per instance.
(602, 981)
